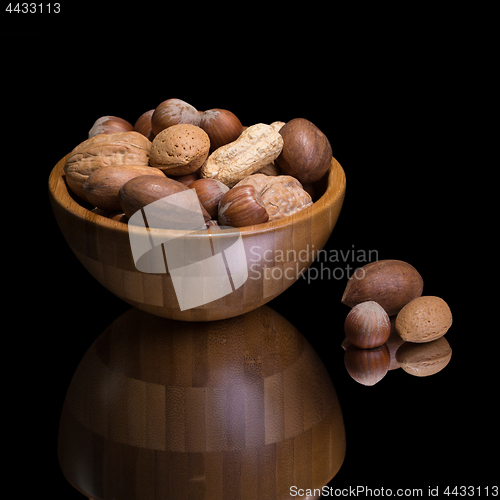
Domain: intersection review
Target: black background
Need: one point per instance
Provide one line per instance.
(393, 120)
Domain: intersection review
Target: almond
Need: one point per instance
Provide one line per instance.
(424, 319)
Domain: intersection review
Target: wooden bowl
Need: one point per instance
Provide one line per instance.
(277, 252)
(163, 409)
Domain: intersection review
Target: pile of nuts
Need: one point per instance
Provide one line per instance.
(392, 288)
(242, 176)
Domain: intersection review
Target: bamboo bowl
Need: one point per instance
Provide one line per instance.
(239, 408)
(277, 252)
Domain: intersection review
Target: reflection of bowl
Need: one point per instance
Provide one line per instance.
(237, 408)
(277, 252)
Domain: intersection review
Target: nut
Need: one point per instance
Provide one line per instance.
(110, 125)
(426, 359)
(367, 325)
(172, 112)
(306, 153)
(143, 125)
(256, 147)
(102, 186)
(209, 193)
(282, 195)
(222, 127)
(104, 150)
(242, 206)
(180, 149)
(424, 319)
(367, 366)
(390, 283)
(187, 179)
(145, 189)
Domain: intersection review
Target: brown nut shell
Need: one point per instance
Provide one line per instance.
(221, 125)
(180, 149)
(306, 152)
(367, 325)
(367, 366)
(145, 189)
(102, 186)
(104, 150)
(110, 125)
(426, 359)
(209, 193)
(172, 112)
(424, 319)
(283, 195)
(242, 206)
(143, 125)
(390, 283)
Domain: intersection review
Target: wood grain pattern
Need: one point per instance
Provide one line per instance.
(241, 408)
(102, 246)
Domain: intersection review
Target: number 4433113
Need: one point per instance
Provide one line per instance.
(33, 8)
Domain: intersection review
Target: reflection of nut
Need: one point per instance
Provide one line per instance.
(180, 149)
(104, 150)
(367, 366)
(282, 195)
(426, 359)
(255, 148)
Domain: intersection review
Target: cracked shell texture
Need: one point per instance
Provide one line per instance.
(256, 147)
(282, 195)
(104, 150)
(180, 149)
(424, 319)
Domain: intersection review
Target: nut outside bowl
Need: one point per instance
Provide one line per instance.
(277, 252)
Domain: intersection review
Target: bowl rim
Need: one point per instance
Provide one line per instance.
(59, 191)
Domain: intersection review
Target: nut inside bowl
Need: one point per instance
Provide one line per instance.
(251, 265)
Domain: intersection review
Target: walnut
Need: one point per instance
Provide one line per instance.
(104, 150)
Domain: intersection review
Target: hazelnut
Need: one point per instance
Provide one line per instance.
(209, 192)
(172, 112)
(110, 125)
(242, 206)
(390, 283)
(367, 325)
(222, 127)
(143, 125)
(306, 152)
(367, 366)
